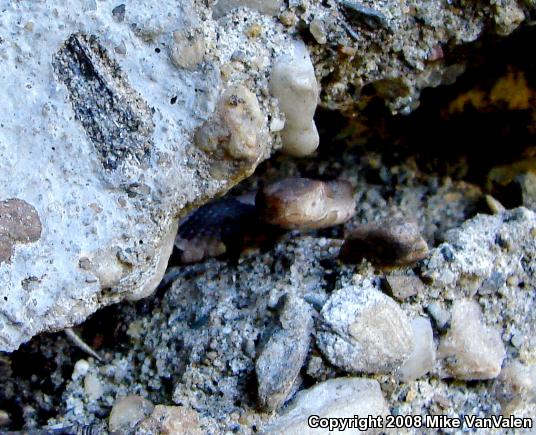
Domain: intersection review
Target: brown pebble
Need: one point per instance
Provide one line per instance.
(389, 243)
(404, 287)
(19, 223)
(302, 203)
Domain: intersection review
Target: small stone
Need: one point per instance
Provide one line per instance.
(390, 243)
(188, 48)
(527, 183)
(93, 387)
(80, 369)
(402, 287)
(254, 31)
(127, 412)
(494, 205)
(318, 30)
(4, 418)
(516, 384)
(171, 420)
(422, 359)
(119, 13)
(439, 314)
(363, 330)
(284, 353)
(234, 130)
(340, 398)
(471, 350)
(288, 18)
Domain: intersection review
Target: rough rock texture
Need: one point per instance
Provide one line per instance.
(472, 350)
(363, 330)
(101, 102)
(343, 397)
(282, 356)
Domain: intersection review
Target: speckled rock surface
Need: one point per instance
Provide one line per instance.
(101, 103)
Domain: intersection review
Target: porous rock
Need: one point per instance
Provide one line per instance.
(281, 358)
(336, 398)
(472, 350)
(363, 330)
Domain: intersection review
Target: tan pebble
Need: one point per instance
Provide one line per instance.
(171, 420)
(302, 203)
(411, 395)
(4, 418)
(254, 31)
(318, 30)
(288, 18)
(495, 206)
(188, 48)
(404, 287)
(128, 411)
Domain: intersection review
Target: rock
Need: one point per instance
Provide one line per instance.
(235, 129)
(422, 358)
(170, 420)
(402, 287)
(527, 183)
(318, 30)
(268, 7)
(302, 203)
(440, 315)
(516, 385)
(294, 84)
(93, 387)
(4, 418)
(127, 412)
(390, 243)
(471, 350)
(188, 48)
(363, 330)
(281, 358)
(336, 398)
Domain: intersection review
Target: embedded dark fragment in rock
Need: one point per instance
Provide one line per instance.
(390, 243)
(116, 119)
(19, 223)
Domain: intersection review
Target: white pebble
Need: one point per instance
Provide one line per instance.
(422, 359)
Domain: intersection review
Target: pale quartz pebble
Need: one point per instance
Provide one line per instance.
(171, 420)
(80, 369)
(363, 330)
(294, 84)
(4, 418)
(336, 398)
(188, 48)
(516, 384)
(422, 359)
(472, 350)
(234, 130)
(128, 411)
(93, 387)
(318, 30)
(302, 203)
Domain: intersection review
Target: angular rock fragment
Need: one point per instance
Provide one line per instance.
(281, 358)
(391, 243)
(472, 351)
(341, 397)
(402, 287)
(188, 47)
(302, 203)
(363, 330)
(422, 358)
